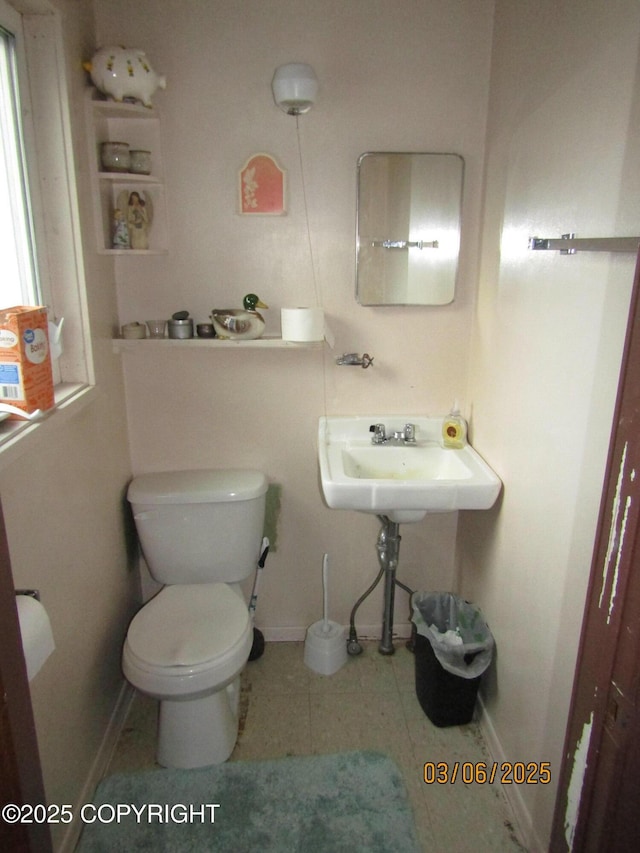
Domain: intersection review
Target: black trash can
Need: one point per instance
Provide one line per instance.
(453, 647)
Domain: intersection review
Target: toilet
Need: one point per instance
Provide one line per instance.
(200, 533)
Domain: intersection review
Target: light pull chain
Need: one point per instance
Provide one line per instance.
(316, 289)
(306, 216)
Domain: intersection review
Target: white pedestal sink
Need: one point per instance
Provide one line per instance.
(399, 481)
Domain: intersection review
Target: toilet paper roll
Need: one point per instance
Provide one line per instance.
(37, 636)
(302, 324)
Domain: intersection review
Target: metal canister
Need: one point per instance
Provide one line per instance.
(181, 328)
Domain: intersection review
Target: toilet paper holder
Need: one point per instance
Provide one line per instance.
(34, 593)
(35, 630)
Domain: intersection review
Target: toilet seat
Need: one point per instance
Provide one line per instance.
(188, 626)
(188, 639)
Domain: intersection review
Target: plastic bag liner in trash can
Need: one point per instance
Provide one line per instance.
(454, 646)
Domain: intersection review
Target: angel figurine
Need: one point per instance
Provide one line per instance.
(120, 239)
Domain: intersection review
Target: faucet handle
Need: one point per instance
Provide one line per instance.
(410, 432)
(379, 433)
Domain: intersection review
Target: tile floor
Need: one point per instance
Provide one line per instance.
(287, 709)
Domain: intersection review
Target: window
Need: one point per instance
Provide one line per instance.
(19, 284)
(44, 233)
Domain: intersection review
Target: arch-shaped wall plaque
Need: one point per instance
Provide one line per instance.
(262, 186)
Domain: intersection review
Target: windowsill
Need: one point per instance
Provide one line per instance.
(20, 436)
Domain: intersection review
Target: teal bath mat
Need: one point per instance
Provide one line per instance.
(352, 802)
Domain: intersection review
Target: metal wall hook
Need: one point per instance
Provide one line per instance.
(352, 358)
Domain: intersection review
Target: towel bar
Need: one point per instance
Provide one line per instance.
(568, 244)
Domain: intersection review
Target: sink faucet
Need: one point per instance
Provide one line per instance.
(365, 360)
(407, 436)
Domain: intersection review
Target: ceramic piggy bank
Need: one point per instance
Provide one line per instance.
(124, 73)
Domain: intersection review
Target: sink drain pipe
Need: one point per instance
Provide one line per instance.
(388, 547)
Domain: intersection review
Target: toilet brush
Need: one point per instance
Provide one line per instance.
(326, 627)
(325, 649)
(257, 647)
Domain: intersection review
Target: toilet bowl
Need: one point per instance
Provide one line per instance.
(188, 645)
(172, 654)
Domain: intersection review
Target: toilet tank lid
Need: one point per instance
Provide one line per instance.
(203, 486)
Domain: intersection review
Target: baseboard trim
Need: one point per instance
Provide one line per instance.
(296, 634)
(100, 764)
(523, 823)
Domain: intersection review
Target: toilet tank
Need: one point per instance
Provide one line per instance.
(199, 526)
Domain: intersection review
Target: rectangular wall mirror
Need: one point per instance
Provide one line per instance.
(408, 228)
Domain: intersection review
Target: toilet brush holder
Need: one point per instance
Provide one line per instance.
(325, 647)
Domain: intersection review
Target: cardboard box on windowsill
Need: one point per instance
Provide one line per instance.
(26, 379)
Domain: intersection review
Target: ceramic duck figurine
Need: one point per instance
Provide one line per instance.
(240, 323)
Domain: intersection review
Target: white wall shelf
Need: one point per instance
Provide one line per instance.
(145, 344)
(139, 126)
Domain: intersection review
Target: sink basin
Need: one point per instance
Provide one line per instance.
(402, 481)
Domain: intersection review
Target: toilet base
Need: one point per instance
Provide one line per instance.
(199, 732)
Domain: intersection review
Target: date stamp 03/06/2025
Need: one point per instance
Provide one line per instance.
(486, 773)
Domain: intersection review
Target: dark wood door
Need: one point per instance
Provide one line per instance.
(20, 773)
(598, 803)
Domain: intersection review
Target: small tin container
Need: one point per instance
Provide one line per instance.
(140, 162)
(205, 330)
(180, 328)
(115, 156)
